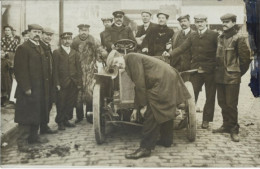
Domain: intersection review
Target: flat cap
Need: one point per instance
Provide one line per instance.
(48, 31)
(184, 17)
(163, 13)
(107, 19)
(118, 13)
(228, 16)
(66, 35)
(148, 12)
(80, 26)
(34, 26)
(8, 26)
(200, 17)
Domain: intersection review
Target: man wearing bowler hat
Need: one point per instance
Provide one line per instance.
(233, 59)
(203, 46)
(31, 73)
(157, 39)
(118, 31)
(144, 29)
(67, 79)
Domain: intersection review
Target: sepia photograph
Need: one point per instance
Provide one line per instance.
(130, 83)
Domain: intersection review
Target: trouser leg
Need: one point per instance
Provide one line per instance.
(23, 134)
(61, 97)
(150, 131)
(33, 132)
(79, 110)
(221, 95)
(197, 81)
(166, 132)
(209, 107)
(72, 95)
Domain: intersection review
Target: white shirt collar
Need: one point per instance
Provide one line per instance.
(67, 49)
(203, 31)
(186, 31)
(118, 25)
(36, 43)
(45, 43)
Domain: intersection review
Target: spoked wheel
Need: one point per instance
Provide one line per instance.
(98, 119)
(191, 113)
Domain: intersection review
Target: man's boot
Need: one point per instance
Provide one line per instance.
(234, 133)
(222, 129)
(139, 153)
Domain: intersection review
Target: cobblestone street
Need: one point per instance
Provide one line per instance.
(77, 146)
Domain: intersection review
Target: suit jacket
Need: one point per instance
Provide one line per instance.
(67, 68)
(141, 31)
(203, 49)
(115, 33)
(156, 84)
(31, 72)
(157, 39)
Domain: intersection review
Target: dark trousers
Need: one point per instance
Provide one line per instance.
(80, 109)
(228, 101)
(26, 132)
(66, 100)
(152, 130)
(197, 80)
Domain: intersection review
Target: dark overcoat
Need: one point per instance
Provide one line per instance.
(141, 31)
(30, 69)
(156, 84)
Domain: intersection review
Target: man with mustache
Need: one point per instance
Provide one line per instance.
(182, 62)
(118, 31)
(31, 73)
(46, 38)
(89, 50)
(233, 59)
(203, 46)
(157, 39)
(67, 80)
(144, 29)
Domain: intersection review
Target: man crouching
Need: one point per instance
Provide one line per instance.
(158, 91)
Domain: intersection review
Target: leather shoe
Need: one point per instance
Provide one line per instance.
(234, 137)
(68, 124)
(48, 131)
(139, 153)
(222, 129)
(162, 143)
(37, 140)
(78, 120)
(61, 127)
(205, 125)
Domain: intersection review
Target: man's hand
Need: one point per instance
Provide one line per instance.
(28, 92)
(145, 50)
(133, 117)
(143, 110)
(166, 54)
(168, 46)
(58, 87)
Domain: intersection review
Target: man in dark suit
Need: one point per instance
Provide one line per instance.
(231, 66)
(31, 72)
(157, 39)
(158, 91)
(118, 31)
(144, 29)
(46, 38)
(203, 46)
(182, 62)
(67, 79)
(107, 22)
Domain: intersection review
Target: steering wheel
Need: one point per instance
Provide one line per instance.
(125, 44)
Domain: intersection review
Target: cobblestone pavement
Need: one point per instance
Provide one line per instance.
(77, 146)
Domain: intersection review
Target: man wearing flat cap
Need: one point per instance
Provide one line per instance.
(182, 62)
(31, 73)
(203, 46)
(233, 59)
(46, 38)
(144, 29)
(155, 43)
(67, 80)
(158, 91)
(118, 31)
(89, 50)
(107, 22)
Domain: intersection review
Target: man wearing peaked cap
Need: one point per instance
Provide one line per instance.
(231, 66)
(67, 80)
(186, 16)
(144, 29)
(163, 13)
(118, 13)
(203, 46)
(88, 48)
(31, 69)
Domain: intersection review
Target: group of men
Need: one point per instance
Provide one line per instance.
(67, 74)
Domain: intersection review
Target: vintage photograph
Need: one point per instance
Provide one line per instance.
(129, 83)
